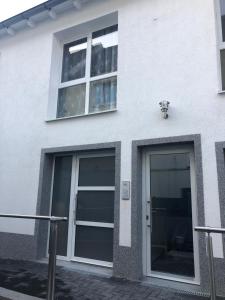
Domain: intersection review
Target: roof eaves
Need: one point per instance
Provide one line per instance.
(30, 13)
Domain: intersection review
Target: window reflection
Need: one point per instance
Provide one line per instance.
(222, 9)
(103, 95)
(104, 51)
(71, 101)
(77, 48)
(106, 41)
(74, 60)
(97, 171)
(222, 60)
(94, 243)
(95, 206)
(61, 199)
(171, 237)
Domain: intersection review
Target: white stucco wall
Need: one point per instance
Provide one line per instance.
(167, 51)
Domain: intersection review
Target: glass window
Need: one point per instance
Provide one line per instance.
(95, 206)
(222, 47)
(71, 101)
(222, 58)
(97, 171)
(94, 243)
(103, 95)
(74, 60)
(81, 91)
(104, 51)
(171, 214)
(222, 10)
(61, 199)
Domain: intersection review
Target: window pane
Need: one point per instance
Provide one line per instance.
(104, 51)
(61, 199)
(94, 243)
(222, 56)
(95, 206)
(74, 60)
(222, 8)
(97, 171)
(71, 101)
(103, 95)
(172, 229)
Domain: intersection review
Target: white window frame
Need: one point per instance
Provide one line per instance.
(220, 42)
(66, 258)
(145, 207)
(88, 78)
(72, 210)
(59, 39)
(87, 223)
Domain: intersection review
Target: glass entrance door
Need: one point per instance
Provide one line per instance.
(94, 210)
(169, 214)
(61, 194)
(83, 190)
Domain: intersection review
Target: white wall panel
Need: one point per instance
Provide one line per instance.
(167, 51)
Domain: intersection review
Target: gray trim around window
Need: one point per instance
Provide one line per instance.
(220, 263)
(127, 260)
(136, 218)
(45, 180)
(220, 158)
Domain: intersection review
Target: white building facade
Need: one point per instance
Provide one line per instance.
(83, 135)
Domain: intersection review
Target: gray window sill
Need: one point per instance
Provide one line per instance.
(81, 116)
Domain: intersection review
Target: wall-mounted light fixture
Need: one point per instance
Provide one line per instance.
(164, 108)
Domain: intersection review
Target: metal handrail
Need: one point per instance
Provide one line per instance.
(52, 245)
(210, 230)
(46, 218)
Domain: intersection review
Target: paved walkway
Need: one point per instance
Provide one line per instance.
(30, 278)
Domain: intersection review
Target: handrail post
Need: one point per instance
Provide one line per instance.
(211, 267)
(52, 245)
(52, 259)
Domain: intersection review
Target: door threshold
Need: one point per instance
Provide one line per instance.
(92, 262)
(181, 287)
(174, 278)
(81, 267)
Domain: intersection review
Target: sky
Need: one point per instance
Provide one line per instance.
(11, 8)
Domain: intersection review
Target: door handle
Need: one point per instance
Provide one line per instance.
(149, 217)
(148, 221)
(151, 214)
